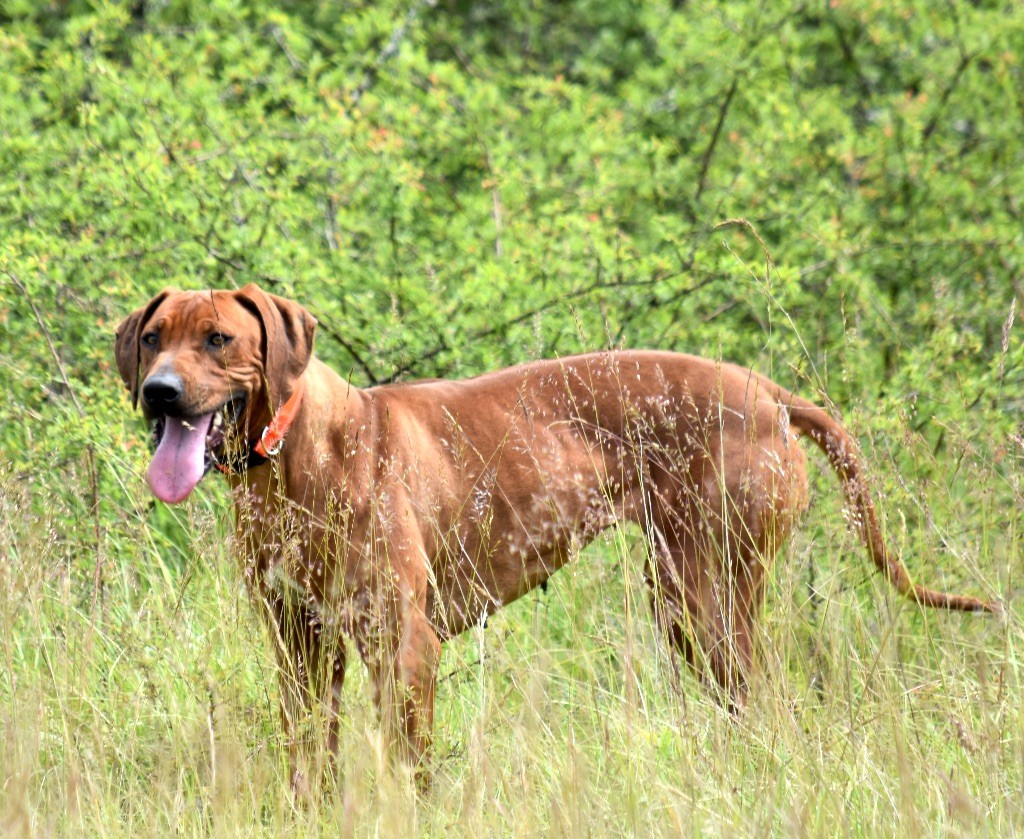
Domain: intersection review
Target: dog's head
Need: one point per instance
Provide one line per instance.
(209, 368)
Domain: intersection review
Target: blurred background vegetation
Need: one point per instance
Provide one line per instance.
(455, 186)
(830, 192)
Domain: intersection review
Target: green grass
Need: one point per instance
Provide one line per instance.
(147, 706)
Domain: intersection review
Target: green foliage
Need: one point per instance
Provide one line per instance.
(572, 159)
(829, 192)
(459, 187)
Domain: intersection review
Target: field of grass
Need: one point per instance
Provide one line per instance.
(140, 692)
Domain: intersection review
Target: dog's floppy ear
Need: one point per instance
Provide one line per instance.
(287, 336)
(127, 349)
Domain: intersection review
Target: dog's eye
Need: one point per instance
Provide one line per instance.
(218, 339)
(150, 339)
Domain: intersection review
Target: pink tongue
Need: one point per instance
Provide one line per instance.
(180, 459)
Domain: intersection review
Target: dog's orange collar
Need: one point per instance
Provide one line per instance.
(270, 441)
(273, 435)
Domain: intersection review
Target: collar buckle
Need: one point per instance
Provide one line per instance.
(271, 439)
(270, 449)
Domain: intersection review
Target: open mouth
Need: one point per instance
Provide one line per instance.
(186, 448)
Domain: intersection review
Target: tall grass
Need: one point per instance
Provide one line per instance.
(149, 707)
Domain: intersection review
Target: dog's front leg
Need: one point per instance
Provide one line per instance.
(311, 670)
(402, 653)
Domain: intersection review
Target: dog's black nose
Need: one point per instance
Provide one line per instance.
(162, 391)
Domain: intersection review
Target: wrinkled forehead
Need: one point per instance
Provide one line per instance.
(189, 311)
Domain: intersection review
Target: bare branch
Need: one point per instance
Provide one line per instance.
(710, 150)
(390, 49)
(965, 62)
(416, 363)
(332, 333)
(49, 341)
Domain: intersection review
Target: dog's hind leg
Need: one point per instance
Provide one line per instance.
(707, 602)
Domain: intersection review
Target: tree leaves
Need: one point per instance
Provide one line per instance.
(452, 188)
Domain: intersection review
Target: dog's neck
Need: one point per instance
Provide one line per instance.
(315, 436)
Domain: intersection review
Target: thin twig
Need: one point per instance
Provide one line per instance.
(364, 365)
(278, 36)
(49, 341)
(496, 208)
(851, 59)
(965, 62)
(330, 211)
(482, 334)
(90, 456)
(710, 150)
(390, 49)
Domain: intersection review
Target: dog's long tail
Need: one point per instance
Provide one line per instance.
(842, 452)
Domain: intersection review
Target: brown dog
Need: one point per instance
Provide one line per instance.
(401, 515)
